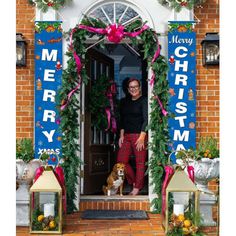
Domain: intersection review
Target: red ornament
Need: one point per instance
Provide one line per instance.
(183, 4)
(53, 159)
(50, 4)
(171, 59)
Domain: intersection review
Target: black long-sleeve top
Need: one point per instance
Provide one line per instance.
(133, 115)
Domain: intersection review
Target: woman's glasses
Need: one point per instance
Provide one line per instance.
(133, 87)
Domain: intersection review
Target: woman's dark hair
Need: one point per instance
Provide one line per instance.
(133, 79)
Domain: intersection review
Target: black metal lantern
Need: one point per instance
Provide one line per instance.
(20, 50)
(210, 49)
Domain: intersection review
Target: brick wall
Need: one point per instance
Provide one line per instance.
(208, 83)
(25, 75)
(208, 76)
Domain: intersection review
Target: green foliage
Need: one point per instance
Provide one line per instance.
(69, 116)
(179, 5)
(42, 25)
(43, 225)
(47, 4)
(206, 148)
(25, 149)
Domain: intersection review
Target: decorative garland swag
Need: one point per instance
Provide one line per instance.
(44, 5)
(75, 75)
(178, 5)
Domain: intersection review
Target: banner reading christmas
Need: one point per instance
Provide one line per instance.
(182, 84)
(48, 74)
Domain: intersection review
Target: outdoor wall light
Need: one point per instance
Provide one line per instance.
(210, 49)
(20, 50)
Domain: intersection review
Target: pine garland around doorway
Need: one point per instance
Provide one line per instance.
(69, 115)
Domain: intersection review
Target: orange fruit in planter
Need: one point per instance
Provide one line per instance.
(40, 218)
(181, 217)
(187, 223)
(52, 224)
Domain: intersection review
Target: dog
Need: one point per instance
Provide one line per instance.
(115, 180)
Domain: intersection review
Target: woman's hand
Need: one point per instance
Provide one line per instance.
(121, 139)
(140, 141)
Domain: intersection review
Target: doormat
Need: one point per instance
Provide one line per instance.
(114, 214)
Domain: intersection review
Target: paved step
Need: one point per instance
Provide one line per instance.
(126, 202)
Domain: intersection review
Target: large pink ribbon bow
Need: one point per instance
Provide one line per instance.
(114, 32)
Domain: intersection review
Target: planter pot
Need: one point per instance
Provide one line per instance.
(24, 176)
(205, 170)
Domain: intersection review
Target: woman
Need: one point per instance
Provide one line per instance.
(133, 137)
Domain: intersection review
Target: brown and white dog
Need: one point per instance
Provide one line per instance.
(115, 180)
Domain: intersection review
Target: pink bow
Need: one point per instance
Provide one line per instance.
(164, 112)
(190, 170)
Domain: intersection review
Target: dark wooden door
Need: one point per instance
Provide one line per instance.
(98, 145)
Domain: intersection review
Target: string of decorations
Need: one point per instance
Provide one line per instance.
(44, 5)
(68, 99)
(178, 5)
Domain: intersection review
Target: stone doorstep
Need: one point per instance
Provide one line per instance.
(126, 202)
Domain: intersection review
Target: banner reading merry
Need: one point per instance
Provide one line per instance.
(48, 74)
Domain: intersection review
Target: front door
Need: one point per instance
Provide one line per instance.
(98, 145)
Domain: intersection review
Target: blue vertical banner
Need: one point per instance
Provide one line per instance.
(48, 75)
(182, 84)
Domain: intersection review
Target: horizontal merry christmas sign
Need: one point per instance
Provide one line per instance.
(48, 74)
(182, 84)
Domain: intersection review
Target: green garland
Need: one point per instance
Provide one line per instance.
(69, 116)
(178, 5)
(44, 5)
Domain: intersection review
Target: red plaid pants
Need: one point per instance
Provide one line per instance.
(128, 147)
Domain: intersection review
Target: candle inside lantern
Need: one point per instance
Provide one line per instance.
(48, 210)
(178, 209)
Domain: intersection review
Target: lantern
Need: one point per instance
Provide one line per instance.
(46, 203)
(210, 49)
(20, 50)
(182, 213)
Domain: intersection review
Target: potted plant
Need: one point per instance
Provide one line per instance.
(205, 160)
(25, 162)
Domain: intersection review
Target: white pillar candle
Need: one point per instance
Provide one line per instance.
(178, 209)
(48, 209)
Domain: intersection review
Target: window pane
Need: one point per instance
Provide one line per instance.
(120, 8)
(109, 11)
(100, 15)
